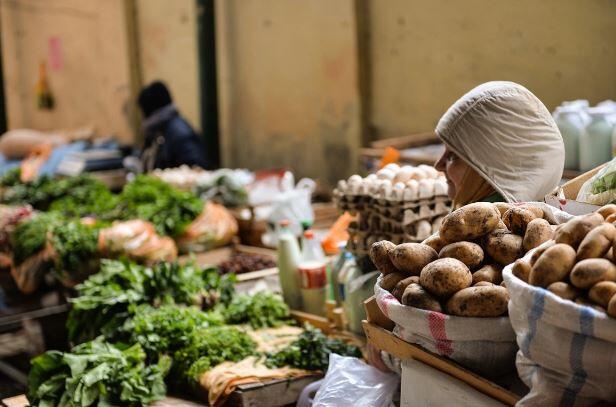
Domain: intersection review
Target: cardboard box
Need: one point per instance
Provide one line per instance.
(569, 191)
(378, 334)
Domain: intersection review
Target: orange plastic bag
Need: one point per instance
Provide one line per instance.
(337, 234)
(390, 156)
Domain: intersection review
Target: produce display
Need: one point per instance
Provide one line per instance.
(458, 270)
(246, 262)
(399, 204)
(578, 263)
(600, 189)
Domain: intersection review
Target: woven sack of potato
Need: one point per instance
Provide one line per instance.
(567, 350)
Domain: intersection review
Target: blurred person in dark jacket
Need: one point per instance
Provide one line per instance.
(169, 140)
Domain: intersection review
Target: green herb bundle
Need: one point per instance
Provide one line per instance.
(96, 373)
(311, 351)
(261, 310)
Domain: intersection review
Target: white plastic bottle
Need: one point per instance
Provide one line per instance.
(571, 125)
(596, 140)
(313, 274)
(289, 258)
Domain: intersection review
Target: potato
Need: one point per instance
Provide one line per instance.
(607, 210)
(611, 218)
(492, 273)
(389, 281)
(469, 222)
(435, 242)
(589, 272)
(586, 302)
(576, 229)
(537, 253)
(609, 255)
(401, 286)
(611, 307)
(483, 284)
(416, 296)
(504, 247)
(481, 301)
(443, 277)
(602, 292)
(517, 219)
(537, 231)
(564, 290)
(537, 211)
(554, 265)
(503, 207)
(521, 269)
(379, 254)
(410, 258)
(468, 253)
(503, 284)
(501, 226)
(597, 242)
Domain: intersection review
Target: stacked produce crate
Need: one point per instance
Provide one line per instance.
(399, 204)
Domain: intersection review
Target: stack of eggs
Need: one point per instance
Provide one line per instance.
(398, 203)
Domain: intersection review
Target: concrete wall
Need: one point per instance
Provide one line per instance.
(168, 50)
(423, 55)
(288, 85)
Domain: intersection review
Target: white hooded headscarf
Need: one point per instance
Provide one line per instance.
(509, 137)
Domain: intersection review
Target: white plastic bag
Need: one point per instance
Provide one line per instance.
(352, 382)
(600, 189)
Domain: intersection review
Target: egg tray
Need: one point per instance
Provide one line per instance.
(348, 202)
(376, 222)
(399, 210)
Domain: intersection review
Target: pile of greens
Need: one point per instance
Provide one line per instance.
(108, 298)
(30, 237)
(261, 310)
(168, 208)
(96, 373)
(311, 351)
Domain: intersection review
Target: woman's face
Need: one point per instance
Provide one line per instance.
(454, 168)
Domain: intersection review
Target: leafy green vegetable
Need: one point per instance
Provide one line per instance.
(209, 347)
(76, 246)
(604, 183)
(30, 237)
(311, 351)
(168, 328)
(11, 177)
(261, 310)
(168, 208)
(90, 198)
(96, 373)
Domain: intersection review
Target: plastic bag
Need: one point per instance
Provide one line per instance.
(214, 227)
(600, 189)
(353, 382)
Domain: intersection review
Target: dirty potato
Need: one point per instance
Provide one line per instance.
(602, 292)
(483, 284)
(504, 247)
(574, 231)
(589, 272)
(611, 307)
(416, 296)
(410, 258)
(401, 286)
(539, 251)
(480, 301)
(564, 290)
(468, 253)
(492, 273)
(389, 281)
(443, 277)
(380, 253)
(435, 242)
(607, 210)
(537, 211)
(554, 265)
(469, 222)
(517, 219)
(503, 207)
(538, 231)
(521, 269)
(597, 242)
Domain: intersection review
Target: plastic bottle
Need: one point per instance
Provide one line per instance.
(289, 258)
(571, 125)
(596, 140)
(313, 274)
(336, 268)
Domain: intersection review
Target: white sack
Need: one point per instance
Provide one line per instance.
(567, 351)
(484, 345)
(509, 137)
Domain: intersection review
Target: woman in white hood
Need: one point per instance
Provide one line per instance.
(502, 144)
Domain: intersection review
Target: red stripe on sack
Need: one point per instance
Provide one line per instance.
(436, 323)
(387, 299)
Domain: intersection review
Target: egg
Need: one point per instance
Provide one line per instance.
(430, 171)
(393, 167)
(426, 188)
(404, 174)
(385, 174)
(354, 179)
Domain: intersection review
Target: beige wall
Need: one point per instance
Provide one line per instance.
(168, 50)
(288, 85)
(423, 55)
(91, 85)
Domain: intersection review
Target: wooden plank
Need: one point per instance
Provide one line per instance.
(387, 341)
(255, 275)
(318, 322)
(274, 394)
(411, 140)
(376, 316)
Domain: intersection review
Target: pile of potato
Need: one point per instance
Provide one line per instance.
(578, 264)
(459, 269)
